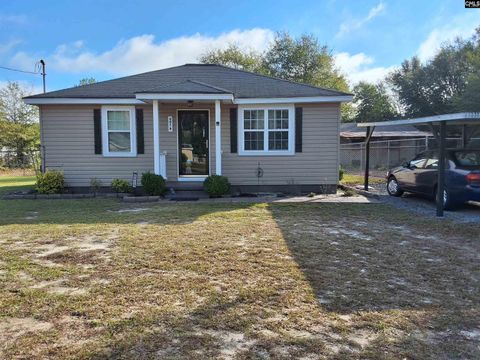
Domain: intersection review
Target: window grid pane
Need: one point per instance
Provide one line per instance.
(254, 140)
(118, 120)
(278, 119)
(278, 140)
(119, 142)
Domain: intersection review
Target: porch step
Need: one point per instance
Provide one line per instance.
(185, 186)
(187, 195)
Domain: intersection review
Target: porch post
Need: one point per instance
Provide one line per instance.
(218, 139)
(156, 138)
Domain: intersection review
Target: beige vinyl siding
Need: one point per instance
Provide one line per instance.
(69, 146)
(316, 164)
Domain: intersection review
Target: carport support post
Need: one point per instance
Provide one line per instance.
(441, 169)
(367, 155)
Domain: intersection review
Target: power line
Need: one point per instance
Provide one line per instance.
(22, 71)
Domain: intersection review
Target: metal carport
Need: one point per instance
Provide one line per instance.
(436, 121)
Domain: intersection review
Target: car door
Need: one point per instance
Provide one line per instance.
(408, 177)
(426, 177)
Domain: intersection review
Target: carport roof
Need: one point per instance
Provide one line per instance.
(460, 118)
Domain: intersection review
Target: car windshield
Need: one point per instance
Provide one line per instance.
(467, 158)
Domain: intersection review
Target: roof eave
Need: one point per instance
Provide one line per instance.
(296, 100)
(183, 96)
(81, 101)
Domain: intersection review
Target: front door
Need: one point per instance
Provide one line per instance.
(193, 143)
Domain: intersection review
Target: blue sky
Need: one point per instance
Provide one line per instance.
(108, 39)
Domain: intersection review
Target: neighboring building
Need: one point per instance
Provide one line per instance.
(192, 121)
(351, 133)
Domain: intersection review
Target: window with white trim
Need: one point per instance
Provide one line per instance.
(266, 131)
(118, 131)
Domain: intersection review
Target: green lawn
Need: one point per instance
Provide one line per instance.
(11, 183)
(352, 179)
(101, 279)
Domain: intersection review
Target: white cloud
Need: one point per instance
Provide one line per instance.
(463, 27)
(355, 24)
(4, 48)
(12, 19)
(143, 53)
(358, 67)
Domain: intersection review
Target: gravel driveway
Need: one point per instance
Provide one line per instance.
(468, 213)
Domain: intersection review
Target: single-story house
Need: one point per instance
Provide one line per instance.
(191, 121)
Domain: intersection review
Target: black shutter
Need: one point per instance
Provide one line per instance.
(233, 130)
(298, 129)
(97, 130)
(140, 131)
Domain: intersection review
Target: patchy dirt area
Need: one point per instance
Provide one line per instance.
(98, 279)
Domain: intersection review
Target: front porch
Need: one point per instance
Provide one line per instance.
(187, 141)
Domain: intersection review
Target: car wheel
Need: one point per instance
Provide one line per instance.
(393, 188)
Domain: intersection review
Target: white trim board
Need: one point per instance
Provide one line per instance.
(295, 100)
(227, 97)
(102, 101)
(173, 96)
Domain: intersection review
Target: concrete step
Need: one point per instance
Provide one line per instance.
(185, 186)
(187, 195)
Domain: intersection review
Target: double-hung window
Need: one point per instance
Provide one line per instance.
(266, 130)
(118, 131)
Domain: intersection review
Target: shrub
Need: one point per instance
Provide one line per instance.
(95, 185)
(341, 172)
(216, 185)
(153, 184)
(121, 186)
(51, 182)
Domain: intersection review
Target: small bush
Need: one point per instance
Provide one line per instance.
(95, 185)
(341, 172)
(216, 185)
(121, 186)
(348, 193)
(153, 184)
(51, 182)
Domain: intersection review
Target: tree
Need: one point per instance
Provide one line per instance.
(302, 60)
(372, 103)
(234, 57)
(431, 88)
(19, 128)
(469, 100)
(12, 107)
(86, 81)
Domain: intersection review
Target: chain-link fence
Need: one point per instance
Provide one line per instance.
(386, 154)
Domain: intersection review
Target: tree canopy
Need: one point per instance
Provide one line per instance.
(446, 83)
(372, 103)
(19, 130)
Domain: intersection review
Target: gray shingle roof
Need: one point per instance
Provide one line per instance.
(194, 78)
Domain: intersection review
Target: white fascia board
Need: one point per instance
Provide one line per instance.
(152, 96)
(61, 101)
(292, 100)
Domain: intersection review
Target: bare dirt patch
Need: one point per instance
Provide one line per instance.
(12, 328)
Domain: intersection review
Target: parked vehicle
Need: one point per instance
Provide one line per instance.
(462, 176)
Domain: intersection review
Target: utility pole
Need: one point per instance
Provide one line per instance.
(43, 75)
